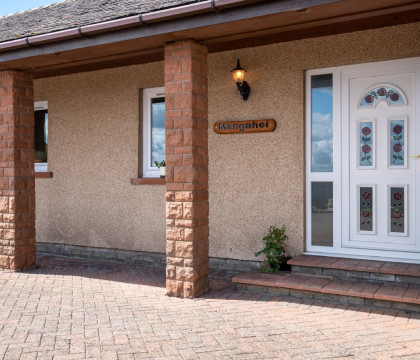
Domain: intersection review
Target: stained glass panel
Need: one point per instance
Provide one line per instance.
(366, 144)
(366, 208)
(382, 93)
(397, 210)
(397, 134)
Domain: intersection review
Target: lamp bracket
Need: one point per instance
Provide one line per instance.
(244, 89)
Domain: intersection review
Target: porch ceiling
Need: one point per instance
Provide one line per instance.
(255, 24)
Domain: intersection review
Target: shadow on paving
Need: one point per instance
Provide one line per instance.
(115, 271)
(220, 283)
(293, 302)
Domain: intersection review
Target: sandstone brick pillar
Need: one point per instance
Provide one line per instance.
(17, 183)
(187, 208)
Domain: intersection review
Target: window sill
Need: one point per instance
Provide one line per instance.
(43, 174)
(148, 181)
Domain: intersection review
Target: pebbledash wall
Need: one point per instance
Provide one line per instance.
(256, 180)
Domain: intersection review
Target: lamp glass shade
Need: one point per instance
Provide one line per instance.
(238, 76)
(238, 73)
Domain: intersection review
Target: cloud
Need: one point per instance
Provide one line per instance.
(322, 135)
(158, 144)
(158, 115)
(325, 90)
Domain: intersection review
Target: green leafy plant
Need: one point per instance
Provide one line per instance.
(41, 156)
(160, 164)
(274, 249)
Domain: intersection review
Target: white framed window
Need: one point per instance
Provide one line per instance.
(153, 130)
(41, 136)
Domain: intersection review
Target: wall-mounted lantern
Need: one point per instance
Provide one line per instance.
(238, 76)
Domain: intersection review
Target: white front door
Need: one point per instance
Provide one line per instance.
(363, 163)
(381, 179)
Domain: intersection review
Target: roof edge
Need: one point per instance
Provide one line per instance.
(141, 19)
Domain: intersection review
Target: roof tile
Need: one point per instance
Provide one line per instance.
(71, 13)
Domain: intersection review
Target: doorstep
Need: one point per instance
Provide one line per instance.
(346, 268)
(328, 282)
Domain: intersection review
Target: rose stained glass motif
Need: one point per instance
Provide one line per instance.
(397, 130)
(366, 144)
(382, 93)
(366, 208)
(397, 202)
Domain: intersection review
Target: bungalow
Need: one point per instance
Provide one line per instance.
(96, 92)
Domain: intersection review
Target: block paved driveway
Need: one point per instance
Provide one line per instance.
(76, 309)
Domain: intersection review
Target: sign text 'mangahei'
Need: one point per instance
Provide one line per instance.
(247, 126)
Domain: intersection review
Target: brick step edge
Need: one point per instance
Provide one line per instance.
(330, 290)
(328, 298)
(355, 274)
(396, 269)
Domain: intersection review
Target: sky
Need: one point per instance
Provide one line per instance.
(12, 6)
(322, 129)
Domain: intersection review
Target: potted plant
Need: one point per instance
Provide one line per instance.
(161, 166)
(274, 250)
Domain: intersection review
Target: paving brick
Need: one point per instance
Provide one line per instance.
(382, 277)
(101, 310)
(357, 292)
(379, 271)
(408, 279)
(334, 273)
(391, 292)
(312, 261)
(311, 270)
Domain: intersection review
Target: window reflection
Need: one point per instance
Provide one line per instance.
(322, 213)
(322, 123)
(41, 136)
(158, 130)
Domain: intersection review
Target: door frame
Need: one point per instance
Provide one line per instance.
(340, 174)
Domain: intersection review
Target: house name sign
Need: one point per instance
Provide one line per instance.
(247, 126)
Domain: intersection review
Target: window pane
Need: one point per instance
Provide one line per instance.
(158, 130)
(322, 123)
(397, 147)
(322, 213)
(41, 135)
(366, 150)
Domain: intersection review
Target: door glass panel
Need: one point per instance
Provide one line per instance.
(397, 213)
(366, 144)
(322, 123)
(397, 131)
(382, 93)
(366, 208)
(322, 213)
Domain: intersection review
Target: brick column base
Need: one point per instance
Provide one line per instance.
(17, 182)
(187, 208)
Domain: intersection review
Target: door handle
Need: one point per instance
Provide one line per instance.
(416, 156)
